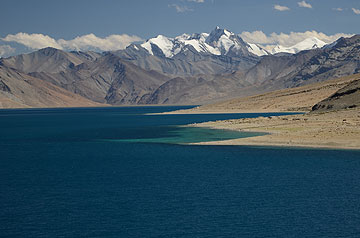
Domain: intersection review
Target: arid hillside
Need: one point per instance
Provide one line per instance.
(347, 97)
(18, 90)
(292, 99)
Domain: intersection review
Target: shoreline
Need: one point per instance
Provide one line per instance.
(244, 142)
(194, 111)
(205, 110)
(330, 130)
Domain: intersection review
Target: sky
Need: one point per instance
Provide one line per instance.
(28, 25)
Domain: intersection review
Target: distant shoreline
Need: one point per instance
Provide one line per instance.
(99, 106)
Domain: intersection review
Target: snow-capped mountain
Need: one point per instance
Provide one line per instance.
(220, 51)
(307, 44)
(218, 42)
(172, 46)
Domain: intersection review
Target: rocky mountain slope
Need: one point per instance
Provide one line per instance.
(101, 78)
(49, 60)
(19, 90)
(346, 97)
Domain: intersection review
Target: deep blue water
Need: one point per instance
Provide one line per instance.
(107, 172)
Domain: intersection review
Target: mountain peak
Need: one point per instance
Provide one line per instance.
(48, 50)
(226, 41)
(217, 33)
(162, 42)
(226, 31)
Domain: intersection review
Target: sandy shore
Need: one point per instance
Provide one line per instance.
(339, 129)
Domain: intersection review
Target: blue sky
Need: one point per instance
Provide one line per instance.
(143, 19)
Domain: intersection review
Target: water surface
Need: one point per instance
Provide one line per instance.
(109, 172)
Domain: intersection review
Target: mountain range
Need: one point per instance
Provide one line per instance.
(188, 69)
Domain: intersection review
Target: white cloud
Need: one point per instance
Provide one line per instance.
(181, 8)
(85, 42)
(304, 4)
(33, 41)
(339, 9)
(198, 1)
(259, 37)
(356, 11)
(256, 37)
(91, 42)
(6, 50)
(281, 8)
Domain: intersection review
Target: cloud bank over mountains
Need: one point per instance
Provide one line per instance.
(33, 41)
(118, 42)
(83, 43)
(259, 37)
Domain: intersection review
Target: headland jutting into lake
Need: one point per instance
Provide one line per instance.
(331, 116)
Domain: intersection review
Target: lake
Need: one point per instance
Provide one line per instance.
(119, 172)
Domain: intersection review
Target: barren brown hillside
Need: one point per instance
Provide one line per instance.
(18, 90)
(293, 99)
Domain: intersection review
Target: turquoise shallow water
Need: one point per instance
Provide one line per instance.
(115, 172)
(186, 135)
